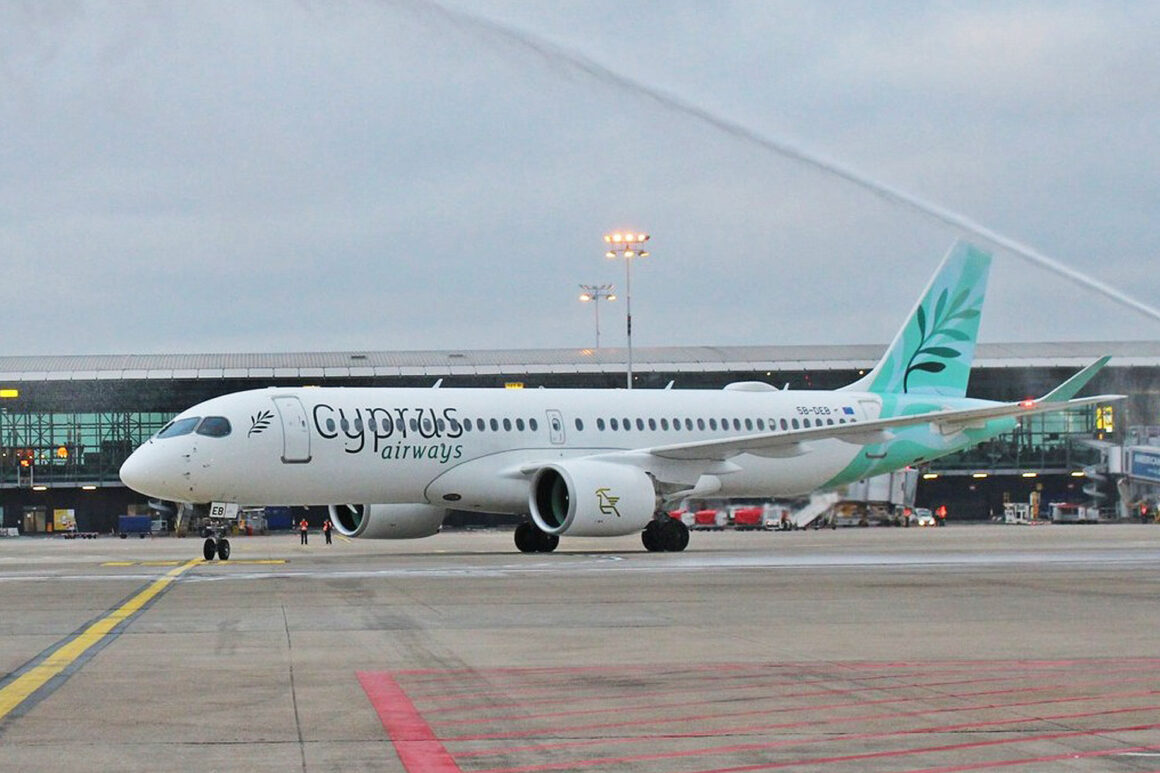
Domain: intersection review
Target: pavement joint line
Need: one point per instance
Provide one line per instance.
(67, 652)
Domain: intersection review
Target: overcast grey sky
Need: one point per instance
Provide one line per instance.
(355, 174)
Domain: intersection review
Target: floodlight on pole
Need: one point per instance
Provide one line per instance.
(628, 245)
(593, 294)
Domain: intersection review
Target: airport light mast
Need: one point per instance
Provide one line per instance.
(628, 246)
(593, 294)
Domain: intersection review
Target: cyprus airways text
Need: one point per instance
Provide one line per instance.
(392, 433)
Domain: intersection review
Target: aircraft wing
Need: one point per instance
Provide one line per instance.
(795, 442)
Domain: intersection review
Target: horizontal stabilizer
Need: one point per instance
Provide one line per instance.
(1070, 388)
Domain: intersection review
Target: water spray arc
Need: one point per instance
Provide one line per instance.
(557, 54)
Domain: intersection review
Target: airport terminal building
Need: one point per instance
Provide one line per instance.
(67, 422)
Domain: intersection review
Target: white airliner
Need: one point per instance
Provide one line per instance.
(589, 462)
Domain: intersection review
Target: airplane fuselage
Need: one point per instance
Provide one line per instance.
(465, 448)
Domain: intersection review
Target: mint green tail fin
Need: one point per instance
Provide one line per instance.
(932, 353)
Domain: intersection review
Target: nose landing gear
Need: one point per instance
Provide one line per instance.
(216, 544)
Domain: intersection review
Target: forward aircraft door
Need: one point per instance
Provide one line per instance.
(295, 431)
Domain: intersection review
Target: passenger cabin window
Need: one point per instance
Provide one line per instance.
(214, 426)
(179, 427)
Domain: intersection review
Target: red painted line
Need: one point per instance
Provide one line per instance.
(765, 746)
(684, 688)
(807, 694)
(813, 721)
(926, 750)
(624, 723)
(1034, 760)
(822, 671)
(445, 674)
(418, 748)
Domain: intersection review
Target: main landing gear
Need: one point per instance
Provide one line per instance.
(665, 534)
(529, 539)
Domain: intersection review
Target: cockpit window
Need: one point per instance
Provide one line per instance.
(179, 427)
(214, 426)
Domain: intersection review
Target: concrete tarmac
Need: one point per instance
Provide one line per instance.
(963, 648)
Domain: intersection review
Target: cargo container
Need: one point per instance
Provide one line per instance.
(709, 520)
(134, 524)
(749, 518)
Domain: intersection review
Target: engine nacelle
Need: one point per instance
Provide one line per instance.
(387, 521)
(588, 498)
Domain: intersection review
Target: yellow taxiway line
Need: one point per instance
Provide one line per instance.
(21, 688)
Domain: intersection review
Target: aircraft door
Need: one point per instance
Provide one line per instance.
(295, 430)
(555, 427)
(870, 409)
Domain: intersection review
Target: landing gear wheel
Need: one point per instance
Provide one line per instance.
(651, 537)
(208, 548)
(674, 535)
(529, 539)
(223, 549)
(526, 538)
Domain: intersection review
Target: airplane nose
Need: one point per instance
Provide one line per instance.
(133, 472)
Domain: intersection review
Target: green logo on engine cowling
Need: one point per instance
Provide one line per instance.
(607, 502)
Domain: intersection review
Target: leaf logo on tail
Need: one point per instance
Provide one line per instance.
(944, 329)
(260, 423)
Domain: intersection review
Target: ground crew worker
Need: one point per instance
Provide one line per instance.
(303, 526)
(326, 530)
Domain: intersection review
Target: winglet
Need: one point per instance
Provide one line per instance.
(1070, 388)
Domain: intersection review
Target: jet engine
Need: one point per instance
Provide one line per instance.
(387, 521)
(589, 498)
